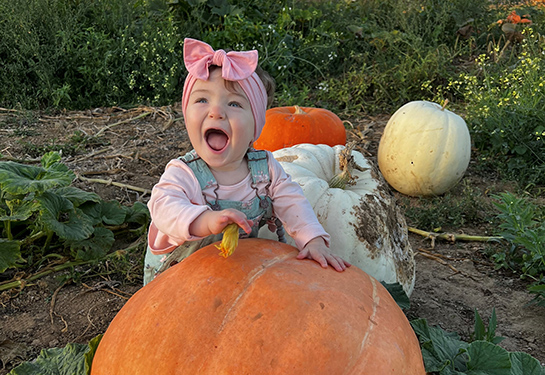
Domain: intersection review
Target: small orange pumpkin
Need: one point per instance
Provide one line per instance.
(259, 311)
(288, 126)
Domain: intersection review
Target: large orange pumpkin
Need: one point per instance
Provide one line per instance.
(288, 126)
(259, 311)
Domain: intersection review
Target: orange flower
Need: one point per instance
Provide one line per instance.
(514, 18)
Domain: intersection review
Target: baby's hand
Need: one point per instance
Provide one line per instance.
(228, 216)
(316, 249)
(213, 222)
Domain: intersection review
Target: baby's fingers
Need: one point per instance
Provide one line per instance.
(337, 262)
(237, 217)
(318, 257)
(246, 225)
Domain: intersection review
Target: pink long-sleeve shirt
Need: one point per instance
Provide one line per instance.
(177, 200)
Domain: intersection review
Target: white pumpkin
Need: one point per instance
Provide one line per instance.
(367, 228)
(424, 150)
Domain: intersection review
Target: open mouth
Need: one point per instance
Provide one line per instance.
(216, 139)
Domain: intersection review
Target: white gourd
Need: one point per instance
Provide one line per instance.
(425, 149)
(367, 228)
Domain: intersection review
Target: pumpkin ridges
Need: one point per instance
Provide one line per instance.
(376, 346)
(301, 329)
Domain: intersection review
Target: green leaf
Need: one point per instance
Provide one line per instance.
(138, 213)
(399, 295)
(482, 332)
(59, 215)
(93, 346)
(20, 179)
(442, 351)
(77, 196)
(486, 358)
(109, 213)
(112, 213)
(491, 333)
(20, 209)
(480, 329)
(50, 158)
(525, 364)
(10, 255)
(95, 247)
(69, 360)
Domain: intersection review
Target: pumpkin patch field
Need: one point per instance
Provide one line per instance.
(120, 153)
(415, 129)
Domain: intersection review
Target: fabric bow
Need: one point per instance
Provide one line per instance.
(235, 66)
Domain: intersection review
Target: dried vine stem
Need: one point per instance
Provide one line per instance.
(453, 237)
(17, 160)
(118, 184)
(122, 122)
(24, 282)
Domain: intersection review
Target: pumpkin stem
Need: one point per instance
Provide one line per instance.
(299, 110)
(346, 165)
(229, 242)
(444, 105)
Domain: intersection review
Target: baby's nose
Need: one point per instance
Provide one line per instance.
(216, 111)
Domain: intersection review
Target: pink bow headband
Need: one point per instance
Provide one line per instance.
(235, 66)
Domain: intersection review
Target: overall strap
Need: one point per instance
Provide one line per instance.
(200, 169)
(259, 168)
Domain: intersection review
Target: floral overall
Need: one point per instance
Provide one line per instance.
(258, 209)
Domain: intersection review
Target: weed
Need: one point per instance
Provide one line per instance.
(506, 107)
(460, 207)
(523, 225)
(445, 353)
(88, 54)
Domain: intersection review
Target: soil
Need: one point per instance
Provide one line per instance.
(132, 147)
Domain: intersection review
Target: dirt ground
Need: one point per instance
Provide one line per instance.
(132, 147)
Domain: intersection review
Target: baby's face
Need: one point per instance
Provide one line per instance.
(219, 122)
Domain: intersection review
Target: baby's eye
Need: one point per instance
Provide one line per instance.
(235, 104)
(201, 100)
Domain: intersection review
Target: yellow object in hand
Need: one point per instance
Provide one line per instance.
(230, 240)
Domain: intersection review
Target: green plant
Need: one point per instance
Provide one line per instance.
(506, 108)
(485, 332)
(539, 291)
(463, 206)
(445, 353)
(41, 215)
(88, 54)
(523, 225)
(75, 359)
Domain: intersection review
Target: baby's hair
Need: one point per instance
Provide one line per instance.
(265, 77)
(268, 82)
